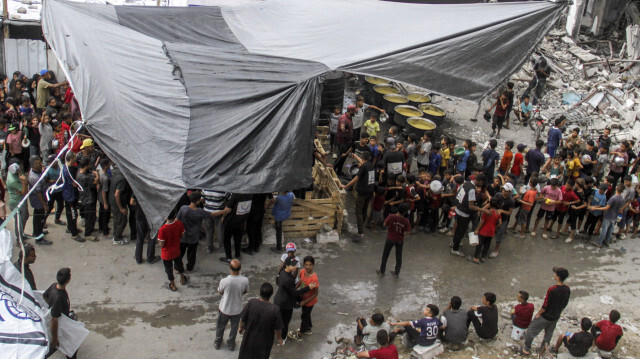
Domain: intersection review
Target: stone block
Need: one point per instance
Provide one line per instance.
(590, 355)
(420, 352)
(329, 237)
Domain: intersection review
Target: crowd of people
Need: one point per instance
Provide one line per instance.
(453, 190)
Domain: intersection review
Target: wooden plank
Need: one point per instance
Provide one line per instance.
(317, 207)
(329, 220)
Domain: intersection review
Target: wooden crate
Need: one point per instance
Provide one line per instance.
(323, 136)
(323, 205)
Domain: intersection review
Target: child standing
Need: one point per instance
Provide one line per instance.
(489, 221)
(397, 226)
(518, 161)
(411, 150)
(527, 203)
(599, 199)
(461, 166)
(611, 211)
(603, 160)
(576, 202)
(372, 126)
(521, 315)
(435, 159)
(489, 158)
(377, 211)
(333, 128)
(445, 154)
(507, 156)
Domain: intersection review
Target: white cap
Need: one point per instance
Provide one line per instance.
(508, 187)
(14, 168)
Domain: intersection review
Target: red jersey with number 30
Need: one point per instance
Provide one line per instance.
(397, 226)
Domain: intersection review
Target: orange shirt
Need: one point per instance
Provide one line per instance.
(306, 280)
(529, 196)
(506, 160)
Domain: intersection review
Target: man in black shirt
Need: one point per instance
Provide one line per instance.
(254, 222)
(260, 321)
(587, 164)
(29, 256)
(365, 179)
(578, 344)
(554, 303)
(236, 212)
(286, 295)
(58, 299)
(488, 328)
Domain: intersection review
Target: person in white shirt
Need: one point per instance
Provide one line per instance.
(232, 288)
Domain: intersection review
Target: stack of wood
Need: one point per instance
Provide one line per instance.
(323, 205)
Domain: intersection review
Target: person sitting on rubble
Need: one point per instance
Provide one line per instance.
(607, 333)
(429, 327)
(485, 317)
(454, 322)
(578, 344)
(524, 114)
(366, 332)
(386, 351)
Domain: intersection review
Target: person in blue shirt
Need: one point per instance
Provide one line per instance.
(461, 166)
(555, 137)
(435, 158)
(489, 159)
(282, 204)
(429, 327)
(525, 110)
(70, 196)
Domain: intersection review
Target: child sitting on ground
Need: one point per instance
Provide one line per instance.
(387, 350)
(578, 344)
(428, 326)
(366, 333)
(607, 333)
(521, 315)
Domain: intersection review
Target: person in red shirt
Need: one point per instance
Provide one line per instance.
(518, 160)
(386, 351)
(169, 238)
(310, 298)
(522, 314)
(507, 156)
(489, 221)
(607, 332)
(397, 226)
(500, 114)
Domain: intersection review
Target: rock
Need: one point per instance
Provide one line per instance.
(329, 237)
(592, 72)
(22, 10)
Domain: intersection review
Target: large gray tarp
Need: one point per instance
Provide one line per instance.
(223, 97)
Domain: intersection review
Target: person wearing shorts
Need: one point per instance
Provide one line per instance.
(500, 113)
(551, 195)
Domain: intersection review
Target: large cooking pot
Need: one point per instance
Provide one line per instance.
(433, 113)
(419, 125)
(370, 83)
(380, 90)
(416, 98)
(403, 112)
(391, 101)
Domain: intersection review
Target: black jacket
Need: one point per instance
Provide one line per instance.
(286, 296)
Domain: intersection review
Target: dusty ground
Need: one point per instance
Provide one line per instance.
(131, 314)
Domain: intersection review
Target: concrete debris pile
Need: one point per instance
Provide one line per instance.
(592, 84)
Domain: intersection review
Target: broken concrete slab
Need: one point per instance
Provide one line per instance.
(582, 54)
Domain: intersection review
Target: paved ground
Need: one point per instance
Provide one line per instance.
(128, 311)
(131, 314)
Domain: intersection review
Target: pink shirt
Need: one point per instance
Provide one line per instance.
(549, 192)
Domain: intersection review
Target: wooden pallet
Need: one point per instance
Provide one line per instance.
(322, 135)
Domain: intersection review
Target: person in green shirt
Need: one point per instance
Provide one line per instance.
(17, 187)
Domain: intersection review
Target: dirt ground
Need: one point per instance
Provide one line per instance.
(130, 313)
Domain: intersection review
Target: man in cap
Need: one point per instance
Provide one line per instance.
(232, 288)
(43, 89)
(286, 295)
(87, 150)
(505, 197)
(18, 186)
(555, 301)
(344, 138)
(38, 201)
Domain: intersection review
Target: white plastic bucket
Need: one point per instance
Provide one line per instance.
(473, 239)
(517, 333)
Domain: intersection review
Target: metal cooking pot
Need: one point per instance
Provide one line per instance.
(354, 169)
(618, 161)
(403, 112)
(391, 101)
(433, 113)
(417, 98)
(380, 90)
(419, 125)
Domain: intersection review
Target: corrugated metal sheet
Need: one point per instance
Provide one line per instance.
(26, 56)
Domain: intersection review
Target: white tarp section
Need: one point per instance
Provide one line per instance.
(223, 97)
(22, 318)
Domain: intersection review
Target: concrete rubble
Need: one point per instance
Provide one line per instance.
(592, 84)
